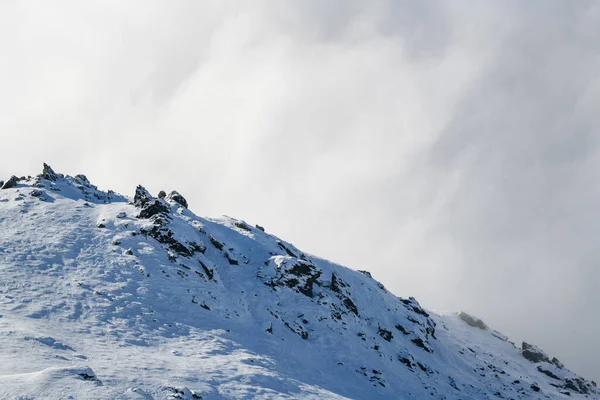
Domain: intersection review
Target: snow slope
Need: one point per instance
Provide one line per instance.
(107, 297)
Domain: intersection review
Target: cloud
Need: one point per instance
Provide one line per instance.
(448, 147)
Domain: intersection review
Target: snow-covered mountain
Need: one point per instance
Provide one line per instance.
(107, 297)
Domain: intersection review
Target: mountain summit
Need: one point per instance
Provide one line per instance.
(108, 297)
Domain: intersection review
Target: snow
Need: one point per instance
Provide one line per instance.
(98, 303)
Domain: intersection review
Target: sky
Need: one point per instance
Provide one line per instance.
(449, 147)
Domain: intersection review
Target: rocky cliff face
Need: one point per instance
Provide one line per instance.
(102, 296)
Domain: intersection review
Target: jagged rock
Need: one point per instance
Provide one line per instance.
(82, 179)
(1, 183)
(472, 321)
(301, 277)
(548, 372)
(412, 304)
(11, 183)
(215, 242)
(351, 306)
(142, 196)
(284, 248)
(165, 236)
(177, 198)
(209, 272)
(577, 385)
(243, 225)
(36, 193)
(260, 228)
(385, 334)
(335, 286)
(231, 260)
(367, 273)
(49, 174)
(558, 364)
(152, 207)
(534, 353)
(402, 329)
(162, 194)
(421, 343)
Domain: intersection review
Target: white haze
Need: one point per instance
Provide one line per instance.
(462, 135)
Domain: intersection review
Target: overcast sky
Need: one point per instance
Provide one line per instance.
(450, 148)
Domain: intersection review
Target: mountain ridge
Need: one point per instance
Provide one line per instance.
(98, 288)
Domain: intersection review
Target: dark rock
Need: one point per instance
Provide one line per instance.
(406, 361)
(88, 377)
(367, 273)
(534, 353)
(535, 387)
(142, 196)
(164, 235)
(351, 306)
(420, 343)
(334, 283)
(197, 247)
(412, 304)
(243, 225)
(49, 174)
(209, 272)
(284, 248)
(557, 363)
(215, 242)
(270, 329)
(101, 225)
(231, 260)
(82, 179)
(547, 372)
(177, 198)
(577, 385)
(36, 193)
(260, 228)
(162, 194)
(472, 321)
(385, 334)
(11, 183)
(1, 184)
(402, 329)
(298, 330)
(152, 208)
(301, 276)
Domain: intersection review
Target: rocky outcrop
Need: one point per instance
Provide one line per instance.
(472, 321)
(152, 208)
(554, 369)
(141, 197)
(49, 174)
(11, 183)
(177, 198)
(534, 353)
(148, 204)
(300, 276)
